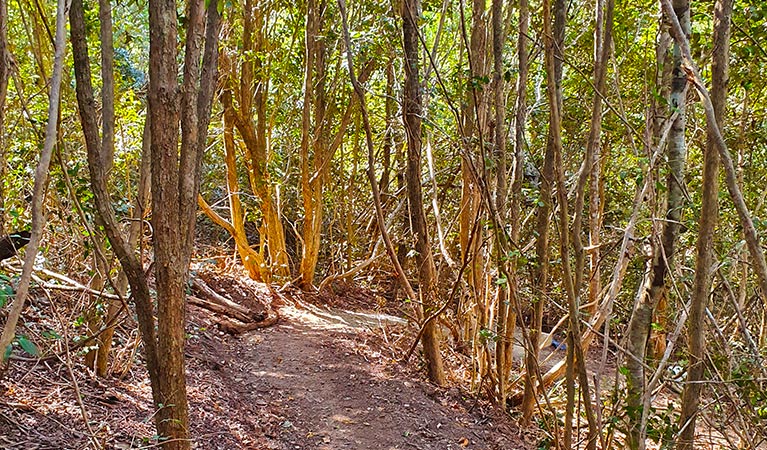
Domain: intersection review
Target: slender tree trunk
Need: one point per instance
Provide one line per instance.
(251, 260)
(708, 218)
(536, 319)
(576, 363)
(505, 315)
(107, 153)
(474, 117)
(389, 136)
(412, 119)
(545, 198)
(315, 154)
(602, 46)
(41, 181)
(5, 74)
(140, 206)
(663, 254)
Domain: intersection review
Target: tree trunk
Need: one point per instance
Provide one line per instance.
(140, 206)
(663, 253)
(536, 318)
(545, 202)
(251, 260)
(474, 119)
(506, 294)
(576, 363)
(254, 85)
(130, 263)
(41, 181)
(412, 119)
(5, 73)
(708, 218)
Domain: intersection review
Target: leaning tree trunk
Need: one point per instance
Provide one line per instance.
(41, 181)
(708, 218)
(427, 276)
(140, 207)
(107, 154)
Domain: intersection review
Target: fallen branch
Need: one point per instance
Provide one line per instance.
(212, 296)
(239, 319)
(246, 316)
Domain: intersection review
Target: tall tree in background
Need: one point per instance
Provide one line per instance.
(590, 171)
(412, 105)
(708, 218)
(317, 147)
(313, 141)
(244, 99)
(576, 365)
(506, 293)
(536, 318)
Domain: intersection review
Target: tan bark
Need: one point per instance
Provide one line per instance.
(474, 116)
(250, 118)
(412, 119)
(38, 195)
(708, 219)
(5, 73)
(251, 260)
(576, 363)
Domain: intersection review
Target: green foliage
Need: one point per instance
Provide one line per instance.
(6, 290)
(27, 345)
(663, 426)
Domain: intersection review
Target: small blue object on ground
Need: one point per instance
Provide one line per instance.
(558, 345)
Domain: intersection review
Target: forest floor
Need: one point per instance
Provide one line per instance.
(321, 378)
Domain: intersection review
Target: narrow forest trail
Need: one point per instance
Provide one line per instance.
(327, 389)
(321, 378)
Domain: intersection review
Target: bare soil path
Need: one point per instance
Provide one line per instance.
(326, 388)
(317, 380)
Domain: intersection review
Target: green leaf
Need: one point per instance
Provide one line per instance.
(624, 371)
(6, 292)
(501, 281)
(27, 345)
(51, 334)
(8, 351)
